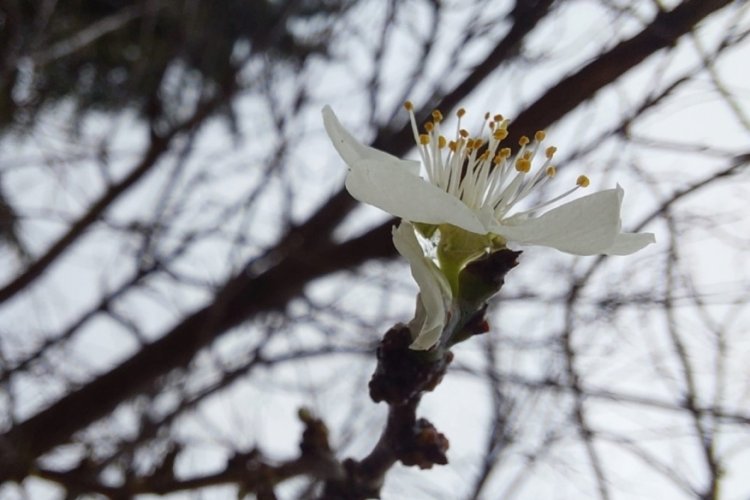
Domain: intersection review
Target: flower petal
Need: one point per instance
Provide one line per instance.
(586, 226)
(627, 243)
(352, 150)
(427, 337)
(393, 189)
(434, 290)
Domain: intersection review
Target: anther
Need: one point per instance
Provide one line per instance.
(523, 165)
(463, 133)
(523, 141)
(437, 115)
(442, 141)
(551, 171)
(498, 118)
(583, 181)
(505, 153)
(500, 134)
(539, 135)
(550, 151)
(461, 112)
(409, 106)
(424, 139)
(429, 127)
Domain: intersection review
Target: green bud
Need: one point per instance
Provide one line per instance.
(456, 248)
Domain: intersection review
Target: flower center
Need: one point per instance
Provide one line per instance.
(486, 177)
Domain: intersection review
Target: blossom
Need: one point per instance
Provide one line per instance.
(474, 184)
(467, 207)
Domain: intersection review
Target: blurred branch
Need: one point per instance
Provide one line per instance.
(94, 32)
(158, 146)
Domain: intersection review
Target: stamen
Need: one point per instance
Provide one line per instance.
(478, 171)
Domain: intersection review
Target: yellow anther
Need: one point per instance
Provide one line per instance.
(461, 112)
(442, 141)
(505, 153)
(453, 146)
(550, 151)
(463, 133)
(500, 134)
(409, 106)
(540, 135)
(487, 115)
(478, 142)
(523, 140)
(523, 165)
(437, 115)
(429, 127)
(527, 155)
(583, 181)
(498, 118)
(551, 171)
(484, 156)
(424, 139)
(498, 159)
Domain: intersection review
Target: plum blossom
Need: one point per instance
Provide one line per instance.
(476, 185)
(468, 206)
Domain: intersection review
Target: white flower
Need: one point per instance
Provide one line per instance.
(435, 294)
(474, 184)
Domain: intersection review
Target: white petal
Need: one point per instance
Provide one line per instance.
(627, 243)
(352, 150)
(586, 226)
(404, 195)
(434, 288)
(427, 339)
